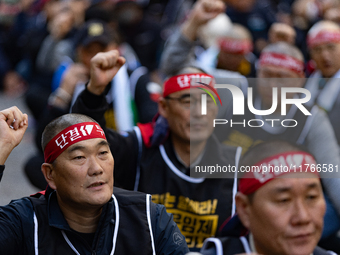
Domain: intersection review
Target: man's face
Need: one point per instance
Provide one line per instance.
(271, 77)
(83, 173)
(327, 58)
(286, 216)
(184, 115)
(229, 61)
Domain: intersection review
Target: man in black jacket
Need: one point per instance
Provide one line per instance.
(79, 213)
(158, 157)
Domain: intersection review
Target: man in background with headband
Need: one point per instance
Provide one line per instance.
(231, 51)
(80, 212)
(280, 208)
(323, 41)
(281, 65)
(157, 157)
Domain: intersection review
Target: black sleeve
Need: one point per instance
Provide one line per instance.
(167, 236)
(210, 251)
(147, 107)
(16, 231)
(91, 105)
(2, 169)
(124, 147)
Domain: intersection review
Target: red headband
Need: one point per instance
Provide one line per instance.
(277, 165)
(70, 136)
(281, 60)
(185, 81)
(323, 37)
(235, 46)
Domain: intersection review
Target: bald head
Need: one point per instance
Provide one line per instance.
(285, 49)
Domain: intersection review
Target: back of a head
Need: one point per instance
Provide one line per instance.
(60, 123)
(284, 49)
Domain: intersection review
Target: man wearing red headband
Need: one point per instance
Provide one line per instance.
(281, 65)
(157, 157)
(279, 210)
(324, 45)
(80, 212)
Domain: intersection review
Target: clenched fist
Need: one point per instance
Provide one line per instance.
(13, 124)
(104, 66)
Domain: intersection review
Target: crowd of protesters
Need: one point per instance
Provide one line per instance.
(128, 63)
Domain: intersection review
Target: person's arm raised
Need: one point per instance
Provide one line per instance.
(179, 48)
(13, 124)
(15, 218)
(104, 66)
(92, 102)
(201, 13)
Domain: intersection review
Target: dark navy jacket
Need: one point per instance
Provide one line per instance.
(235, 245)
(199, 204)
(136, 227)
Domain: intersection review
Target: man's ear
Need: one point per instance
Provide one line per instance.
(162, 107)
(48, 172)
(243, 207)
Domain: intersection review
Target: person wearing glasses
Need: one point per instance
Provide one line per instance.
(159, 157)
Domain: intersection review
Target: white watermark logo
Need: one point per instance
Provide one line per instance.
(238, 100)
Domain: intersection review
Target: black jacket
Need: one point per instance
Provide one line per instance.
(199, 205)
(235, 245)
(141, 225)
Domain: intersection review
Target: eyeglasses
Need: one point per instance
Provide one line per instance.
(189, 102)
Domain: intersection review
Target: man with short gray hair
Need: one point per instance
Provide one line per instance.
(80, 212)
(278, 212)
(324, 46)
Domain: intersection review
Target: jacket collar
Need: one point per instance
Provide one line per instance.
(56, 218)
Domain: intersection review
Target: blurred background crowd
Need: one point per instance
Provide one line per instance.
(38, 37)
(46, 47)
